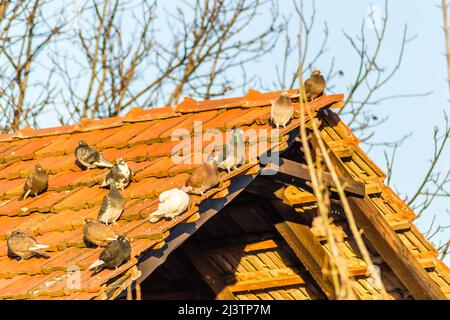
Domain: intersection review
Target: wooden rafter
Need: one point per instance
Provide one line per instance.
(384, 239)
(305, 246)
(293, 171)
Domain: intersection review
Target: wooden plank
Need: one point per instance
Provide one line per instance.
(208, 272)
(244, 247)
(293, 170)
(306, 247)
(384, 239)
(266, 283)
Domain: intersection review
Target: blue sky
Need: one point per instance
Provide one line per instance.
(423, 70)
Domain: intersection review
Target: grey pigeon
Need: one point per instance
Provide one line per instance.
(120, 173)
(203, 178)
(234, 151)
(112, 206)
(315, 85)
(22, 245)
(97, 233)
(114, 255)
(36, 183)
(281, 111)
(89, 157)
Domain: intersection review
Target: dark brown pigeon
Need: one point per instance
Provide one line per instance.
(36, 183)
(113, 256)
(315, 85)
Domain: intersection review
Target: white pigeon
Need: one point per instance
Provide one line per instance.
(234, 151)
(172, 203)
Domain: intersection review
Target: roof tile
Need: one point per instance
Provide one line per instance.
(137, 114)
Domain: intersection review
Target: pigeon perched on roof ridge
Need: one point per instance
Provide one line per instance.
(281, 111)
(172, 203)
(203, 178)
(114, 255)
(233, 152)
(24, 246)
(98, 233)
(90, 157)
(112, 206)
(120, 173)
(36, 183)
(314, 85)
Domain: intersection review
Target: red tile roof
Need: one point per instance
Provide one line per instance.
(55, 218)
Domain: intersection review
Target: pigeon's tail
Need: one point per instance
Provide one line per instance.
(96, 265)
(25, 195)
(156, 216)
(38, 247)
(104, 184)
(104, 164)
(186, 189)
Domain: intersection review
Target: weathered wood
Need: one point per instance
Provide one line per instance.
(293, 170)
(402, 262)
(306, 247)
(266, 283)
(209, 273)
(244, 247)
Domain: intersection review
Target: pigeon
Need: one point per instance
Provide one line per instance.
(97, 233)
(21, 245)
(172, 203)
(37, 182)
(315, 85)
(89, 157)
(203, 178)
(281, 111)
(112, 206)
(120, 173)
(115, 253)
(234, 151)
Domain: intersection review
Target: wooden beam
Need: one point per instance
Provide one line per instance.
(267, 283)
(209, 273)
(387, 243)
(306, 247)
(293, 170)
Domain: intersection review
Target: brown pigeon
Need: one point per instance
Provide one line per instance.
(315, 85)
(203, 178)
(21, 245)
(36, 183)
(281, 111)
(98, 233)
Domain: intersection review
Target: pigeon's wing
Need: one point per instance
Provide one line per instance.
(308, 85)
(29, 182)
(106, 204)
(109, 253)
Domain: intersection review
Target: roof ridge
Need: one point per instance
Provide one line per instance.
(252, 99)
